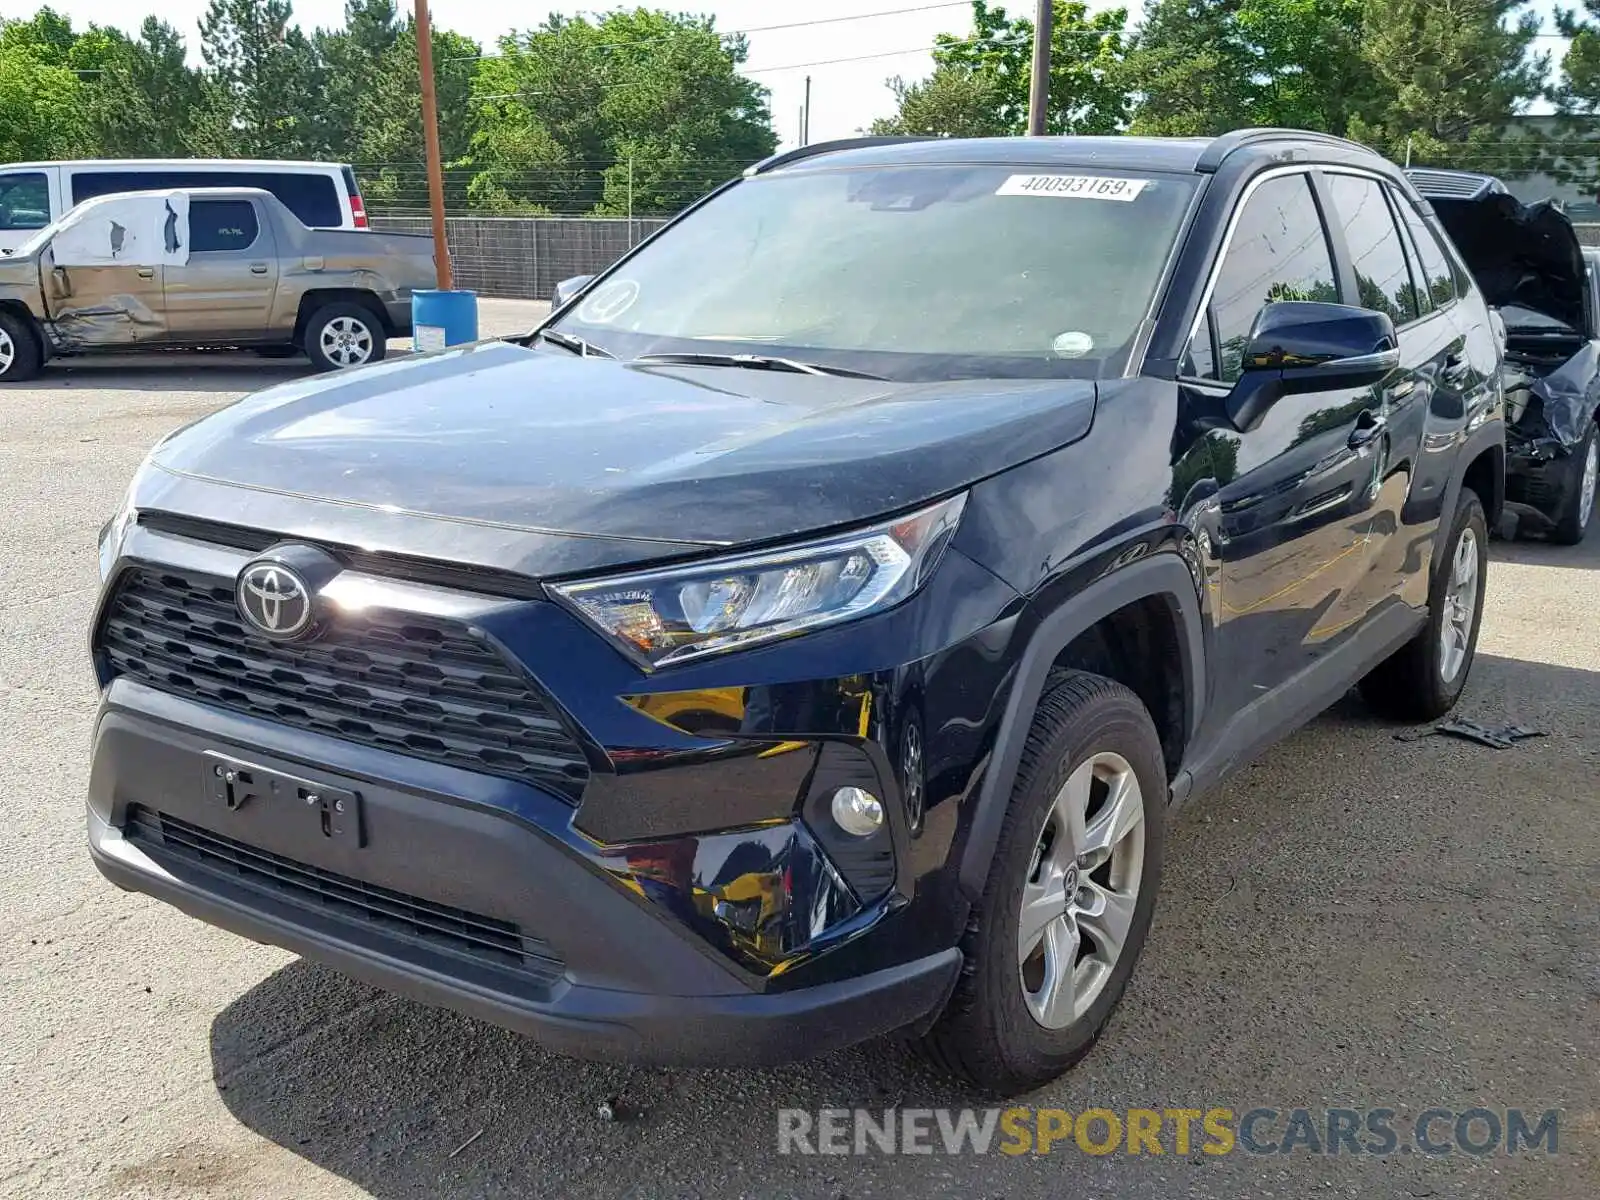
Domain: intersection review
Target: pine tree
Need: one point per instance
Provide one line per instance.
(1450, 75)
(262, 83)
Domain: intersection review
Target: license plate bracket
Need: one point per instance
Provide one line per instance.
(335, 812)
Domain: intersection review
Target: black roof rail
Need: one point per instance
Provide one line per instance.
(775, 161)
(1225, 144)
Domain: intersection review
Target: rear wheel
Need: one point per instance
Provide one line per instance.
(1070, 895)
(1424, 678)
(19, 349)
(344, 335)
(1584, 465)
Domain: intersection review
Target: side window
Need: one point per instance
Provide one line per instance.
(1383, 280)
(1417, 291)
(1279, 251)
(24, 200)
(312, 198)
(222, 225)
(1435, 266)
(86, 185)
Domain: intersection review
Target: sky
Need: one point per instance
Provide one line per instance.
(845, 95)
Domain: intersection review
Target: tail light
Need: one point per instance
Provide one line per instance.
(358, 211)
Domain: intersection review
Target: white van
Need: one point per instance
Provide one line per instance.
(323, 195)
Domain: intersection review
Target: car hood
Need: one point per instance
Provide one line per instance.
(529, 452)
(1525, 254)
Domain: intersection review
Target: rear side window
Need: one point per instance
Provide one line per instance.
(1279, 251)
(312, 198)
(24, 200)
(222, 225)
(1383, 280)
(1437, 277)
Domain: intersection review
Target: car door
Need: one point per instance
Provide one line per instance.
(1389, 272)
(225, 291)
(102, 274)
(1295, 499)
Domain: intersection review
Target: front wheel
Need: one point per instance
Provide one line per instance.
(1423, 679)
(1584, 468)
(1070, 895)
(19, 349)
(344, 335)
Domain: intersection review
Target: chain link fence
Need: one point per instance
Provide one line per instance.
(523, 258)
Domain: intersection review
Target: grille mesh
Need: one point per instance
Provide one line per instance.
(493, 941)
(418, 687)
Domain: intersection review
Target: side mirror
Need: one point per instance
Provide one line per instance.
(1308, 346)
(567, 289)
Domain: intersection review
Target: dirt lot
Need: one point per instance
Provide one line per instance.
(1357, 921)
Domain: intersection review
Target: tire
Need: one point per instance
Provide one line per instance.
(329, 324)
(1582, 484)
(1419, 682)
(20, 358)
(989, 1034)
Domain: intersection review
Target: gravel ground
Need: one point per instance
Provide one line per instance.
(1355, 921)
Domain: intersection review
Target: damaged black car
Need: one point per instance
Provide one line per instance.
(1543, 284)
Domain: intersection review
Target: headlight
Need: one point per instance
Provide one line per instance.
(113, 531)
(681, 613)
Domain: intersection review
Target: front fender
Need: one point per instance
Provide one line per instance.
(1164, 576)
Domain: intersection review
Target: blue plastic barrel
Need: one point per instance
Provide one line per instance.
(440, 319)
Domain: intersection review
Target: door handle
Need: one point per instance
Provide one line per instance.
(147, 272)
(1367, 431)
(258, 268)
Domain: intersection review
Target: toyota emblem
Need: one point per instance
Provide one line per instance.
(274, 600)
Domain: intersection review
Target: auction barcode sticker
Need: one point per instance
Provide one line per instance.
(1073, 187)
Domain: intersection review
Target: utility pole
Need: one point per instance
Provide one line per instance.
(1039, 86)
(430, 137)
(805, 119)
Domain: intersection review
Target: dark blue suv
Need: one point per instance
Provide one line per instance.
(807, 633)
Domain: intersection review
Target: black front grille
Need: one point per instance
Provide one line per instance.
(438, 926)
(413, 685)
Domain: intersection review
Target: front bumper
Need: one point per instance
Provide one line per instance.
(579, 963)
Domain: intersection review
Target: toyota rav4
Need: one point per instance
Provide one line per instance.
(808, 632)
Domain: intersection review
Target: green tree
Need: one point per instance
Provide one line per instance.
(1449, 77)
(993, 65)
(143, 101)
(955, 101)
(1202, 67)
(565, 108)
(262, 85)
(42, 98)
(353, 58)
(387, 143)
(1573, 155)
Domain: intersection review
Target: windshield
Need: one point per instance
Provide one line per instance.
(905, 272)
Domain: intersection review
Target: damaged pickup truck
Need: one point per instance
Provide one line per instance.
(205, 268)
(1543, 283)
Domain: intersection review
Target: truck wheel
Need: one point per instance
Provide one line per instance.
(1584, 465)
(344, 335)
(19, 349)
(1070, 895)
(1423, 679)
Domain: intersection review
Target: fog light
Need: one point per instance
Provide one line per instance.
(857, 811)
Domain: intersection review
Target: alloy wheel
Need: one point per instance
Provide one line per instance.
(1460, 605)
(346, 342)
(1586, 488)
(8, 352)
(1082, 888)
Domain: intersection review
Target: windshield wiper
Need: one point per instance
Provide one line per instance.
(755, 362)
(570, 341)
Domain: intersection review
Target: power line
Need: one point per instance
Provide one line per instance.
(727, 33)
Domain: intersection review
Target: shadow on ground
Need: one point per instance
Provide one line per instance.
(1354, 920)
